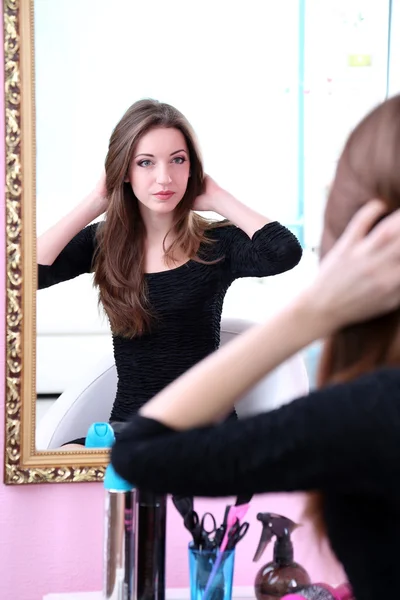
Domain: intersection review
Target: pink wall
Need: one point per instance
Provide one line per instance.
(51, 535)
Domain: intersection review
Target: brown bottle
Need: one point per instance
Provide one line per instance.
(282, 575)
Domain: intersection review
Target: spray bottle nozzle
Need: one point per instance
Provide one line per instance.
(273, 525)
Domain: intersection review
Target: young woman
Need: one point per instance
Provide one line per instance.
(161, 269)
(342, 441)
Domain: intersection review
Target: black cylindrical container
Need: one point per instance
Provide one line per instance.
(151, 543)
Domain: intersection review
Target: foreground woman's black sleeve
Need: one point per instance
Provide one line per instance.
(341, 437)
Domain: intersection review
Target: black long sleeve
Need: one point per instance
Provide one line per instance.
(273, 249)
(74, 260)
(343, 437)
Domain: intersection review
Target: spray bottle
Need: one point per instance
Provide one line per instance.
(282, 575)
(119, 567)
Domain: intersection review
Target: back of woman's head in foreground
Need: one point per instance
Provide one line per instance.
(369, 168)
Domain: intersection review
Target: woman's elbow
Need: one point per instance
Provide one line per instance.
(285, 257)
(292, 254)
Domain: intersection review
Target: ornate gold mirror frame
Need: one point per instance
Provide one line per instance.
(23, 464)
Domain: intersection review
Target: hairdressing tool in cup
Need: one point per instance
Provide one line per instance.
(235, 515)
(322, 591)
(197, 527)
(183, 504)
(237, 533)
(200, 533)
(219, 534)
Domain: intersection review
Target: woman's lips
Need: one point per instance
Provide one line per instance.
(164, 195)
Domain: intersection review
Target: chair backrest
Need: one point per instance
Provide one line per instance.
(284, 384)
(90, 399)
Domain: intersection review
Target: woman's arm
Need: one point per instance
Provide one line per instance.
(272, 250)
(253, 246)
(341, 437)
(54, 240)
(358, 279)
(73, 260)
(218, 200)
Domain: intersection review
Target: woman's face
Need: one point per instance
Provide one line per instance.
(160, 169)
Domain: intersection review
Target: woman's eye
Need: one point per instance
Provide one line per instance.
(144, 163)
(179, 160)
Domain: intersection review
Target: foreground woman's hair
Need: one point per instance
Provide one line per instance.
(368, 168)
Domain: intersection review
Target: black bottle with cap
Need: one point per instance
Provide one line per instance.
(282, 575)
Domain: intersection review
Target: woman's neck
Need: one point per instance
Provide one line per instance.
(156, 225)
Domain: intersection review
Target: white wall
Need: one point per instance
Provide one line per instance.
(230, 66)
(394, 75)
(337, 95)
(225, 64)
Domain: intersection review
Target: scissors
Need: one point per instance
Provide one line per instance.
(219, 534)
(237, 533)
(198, 528)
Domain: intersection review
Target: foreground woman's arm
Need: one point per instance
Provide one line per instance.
(345, 437)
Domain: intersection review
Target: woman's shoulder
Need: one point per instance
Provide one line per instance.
(216, 239)
(223, 233)
(371, 400)
(86, 242)
(94, 228)
(92, 233)
(382, 378)
(367, 388)
(219, 229)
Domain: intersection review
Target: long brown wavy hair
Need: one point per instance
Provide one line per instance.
(119, 260)
(368, 168)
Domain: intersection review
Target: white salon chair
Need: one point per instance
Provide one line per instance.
(90, 399)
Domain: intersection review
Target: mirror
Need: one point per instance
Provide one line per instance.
(84, 85)
(72, 68)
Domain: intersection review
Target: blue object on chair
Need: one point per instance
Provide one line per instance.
(100, 435)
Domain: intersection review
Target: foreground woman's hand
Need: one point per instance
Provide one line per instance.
(360, 277)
